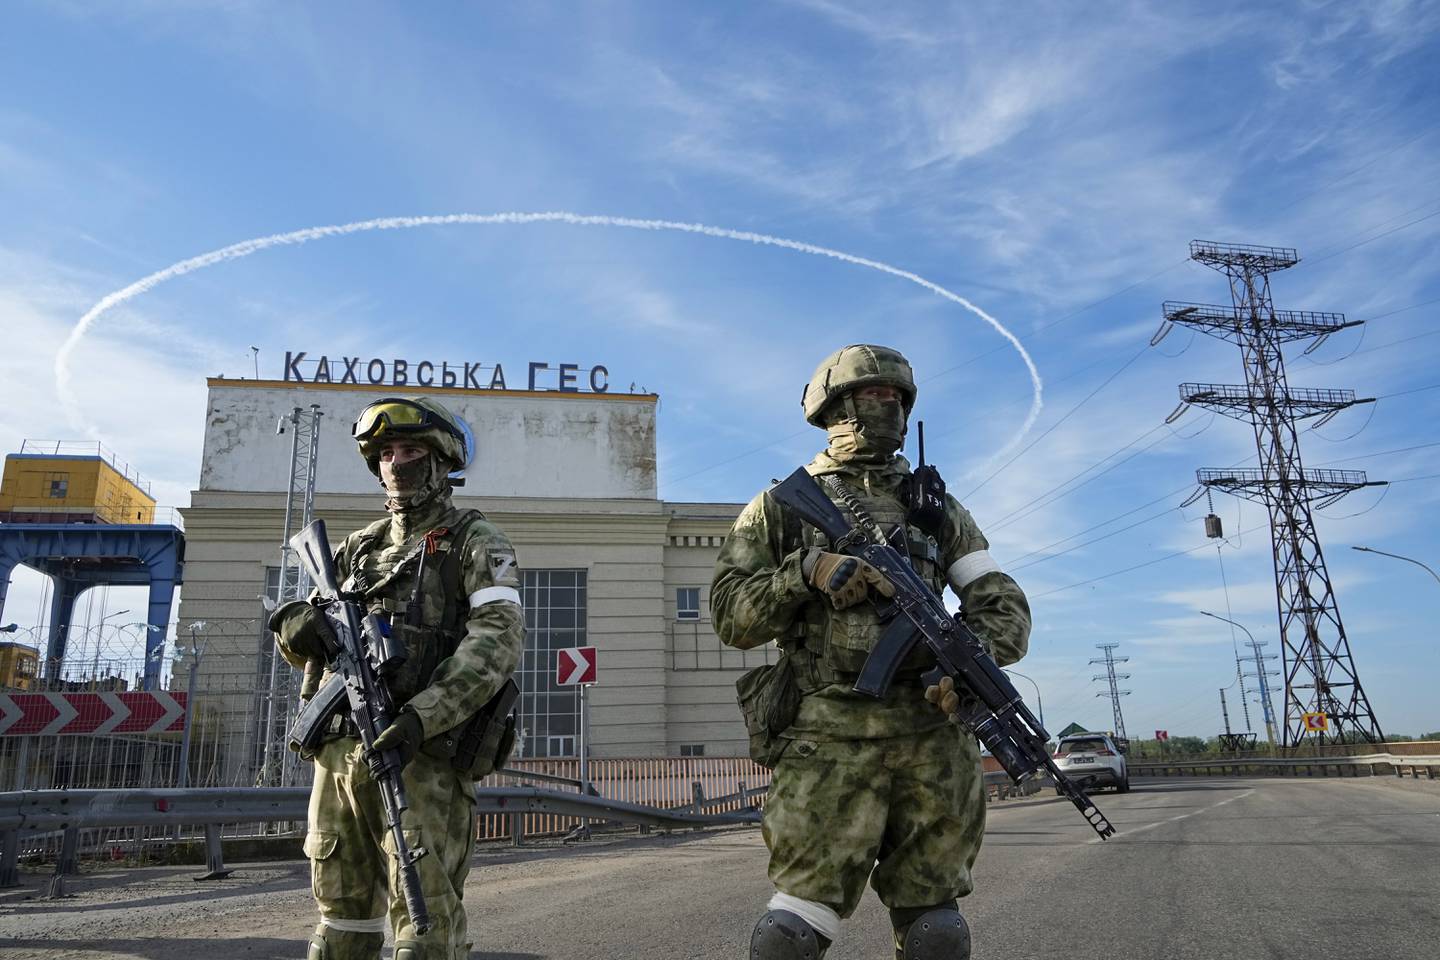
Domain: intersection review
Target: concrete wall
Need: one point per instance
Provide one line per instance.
(701, 671)
(540, 444)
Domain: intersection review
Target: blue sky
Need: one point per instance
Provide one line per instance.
(1052, 167)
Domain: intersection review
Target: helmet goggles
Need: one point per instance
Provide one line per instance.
(400, 416)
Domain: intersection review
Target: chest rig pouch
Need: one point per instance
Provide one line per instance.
(841, 640)
(428, 620)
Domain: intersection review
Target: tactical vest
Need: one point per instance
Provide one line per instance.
(387, 579)
(838, 641)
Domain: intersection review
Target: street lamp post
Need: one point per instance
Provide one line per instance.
(1039, 704)
(100, 642)
(1398, 557)
(1260, 671)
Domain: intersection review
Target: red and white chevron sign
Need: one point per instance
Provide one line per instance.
(67, 714)
(575, 665)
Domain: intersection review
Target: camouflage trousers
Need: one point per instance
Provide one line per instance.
(352, 866)
(906, 812)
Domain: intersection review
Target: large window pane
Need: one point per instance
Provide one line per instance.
(549, 714)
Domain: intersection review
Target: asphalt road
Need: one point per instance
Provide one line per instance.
(1208, 869)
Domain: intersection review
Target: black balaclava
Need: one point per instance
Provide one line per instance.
(866, 432)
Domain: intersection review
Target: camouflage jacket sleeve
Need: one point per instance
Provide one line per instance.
(992, 604)
(494, 637)
(757, 592)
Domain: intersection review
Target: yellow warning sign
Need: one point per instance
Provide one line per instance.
(1316, 722)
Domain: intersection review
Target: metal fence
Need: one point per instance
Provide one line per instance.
(235, 714)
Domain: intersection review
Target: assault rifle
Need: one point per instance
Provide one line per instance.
(362, 656)
(989, 704)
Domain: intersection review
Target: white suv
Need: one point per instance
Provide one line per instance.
(1092, 760)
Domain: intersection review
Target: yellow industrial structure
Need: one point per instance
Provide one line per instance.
(65, 487)
(19, 665)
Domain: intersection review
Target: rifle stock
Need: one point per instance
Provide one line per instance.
(801, 493)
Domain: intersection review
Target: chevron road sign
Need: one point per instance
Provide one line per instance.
(575, 665)
(68, 714)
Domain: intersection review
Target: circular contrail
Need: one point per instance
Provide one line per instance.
(247, 247)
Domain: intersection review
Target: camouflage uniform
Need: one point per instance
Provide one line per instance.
(860, 783)
(445, 680)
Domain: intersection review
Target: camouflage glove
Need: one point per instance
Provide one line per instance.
(302, 633)
(944, 696)
(404, 735)
(845, 580)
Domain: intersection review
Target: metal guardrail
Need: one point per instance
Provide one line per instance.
(1372, 764)
(30, 812)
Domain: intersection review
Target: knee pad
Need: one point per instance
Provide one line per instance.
(421, 950)
(940, 933)
(781, 935)
(327, 943)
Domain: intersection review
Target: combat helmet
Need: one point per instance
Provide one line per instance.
(415, 418)
(852, 367)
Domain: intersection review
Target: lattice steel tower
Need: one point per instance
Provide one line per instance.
(1320, 673)
(278, 687)
(1112, 678)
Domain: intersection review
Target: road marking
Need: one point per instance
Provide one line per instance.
(1160, 823)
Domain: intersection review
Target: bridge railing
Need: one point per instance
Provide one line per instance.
(1354, 765)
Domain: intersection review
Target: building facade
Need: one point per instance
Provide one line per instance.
(570, 477)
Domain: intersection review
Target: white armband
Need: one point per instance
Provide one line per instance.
(494, 595)
(376, 925)
(970, 568)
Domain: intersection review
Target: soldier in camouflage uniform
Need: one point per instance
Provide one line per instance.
(462, 647)
(887, 789)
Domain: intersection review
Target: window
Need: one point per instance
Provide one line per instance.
(555, 616)
(692, 749)
(58, 487)
(687, 603)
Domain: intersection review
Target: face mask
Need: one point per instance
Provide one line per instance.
(874, 434)
(415, 482)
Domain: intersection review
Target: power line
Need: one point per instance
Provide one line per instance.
(1380, 453)
(742, 456)
(1050, 429)
(1386, 396)
(1103, 523)
(1346, 176)
(1027, 509)
(1428, 476)
(1361, 243)
(1181, 553)
(1055, 323)
(1078, 546)
(1138, 566)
